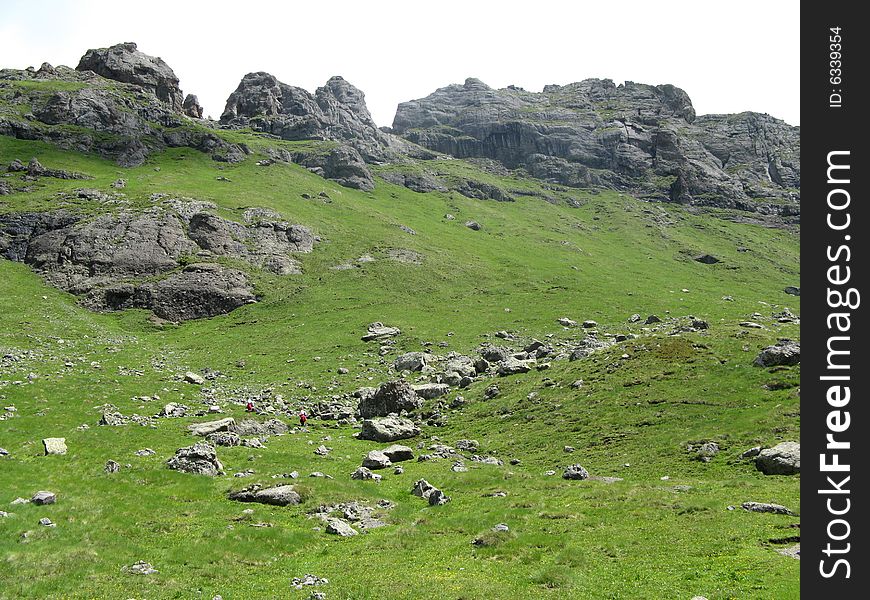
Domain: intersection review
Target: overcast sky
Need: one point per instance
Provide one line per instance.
(729, 56)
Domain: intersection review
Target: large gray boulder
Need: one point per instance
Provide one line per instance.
(376, 459)
(782, 459)
(281, 495)
(125, 63)
(390, 397)
(199, 459)
(388, 429)
(784, 352)
(410, 361)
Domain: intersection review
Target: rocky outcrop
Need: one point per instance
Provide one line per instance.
(125, 63)
(136, 259)
(337, 111)
(640, 137)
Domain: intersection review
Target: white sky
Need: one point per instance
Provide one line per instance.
(729, 56)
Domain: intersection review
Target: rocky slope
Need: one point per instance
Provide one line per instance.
(640, 137)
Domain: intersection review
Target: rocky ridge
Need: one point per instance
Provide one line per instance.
(633, 136)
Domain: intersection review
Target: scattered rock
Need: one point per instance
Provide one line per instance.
(765, 507)
(652, 319)
(566, 322)
(269, 427)
(473, 225)
(792, 551)
(56, 446)
(281, 495)
(112, 466)
(200, 459)
(465, 445)
(410, 361)
(429, 391)
(309, 579)
(141, 568)
(363, 474)
(204, 429)
(575, 472)
(388, 429)
(391, 397)
(785, 352)
(376, 459)
(194, 378)
(224, 438)
(112, 417)
(513, 366)
(398, 453)
(173, 409)
(707, 259)
(792, 290)
(340, 528)
(378, 331)
(705, 451)
(42, 498)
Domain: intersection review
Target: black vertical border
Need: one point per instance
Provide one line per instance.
(825, 129)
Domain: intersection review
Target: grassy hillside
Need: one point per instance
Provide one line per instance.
(642, 401)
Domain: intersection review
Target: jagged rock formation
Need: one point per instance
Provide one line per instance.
(132, 259)
(640, 137)
(192, 107)
(337, 112)
(125, 63)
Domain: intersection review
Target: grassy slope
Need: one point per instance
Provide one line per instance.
(637, 538)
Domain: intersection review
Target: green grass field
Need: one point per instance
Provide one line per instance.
(533, 262)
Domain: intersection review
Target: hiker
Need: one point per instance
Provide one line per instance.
(249, 406)
(303, 418)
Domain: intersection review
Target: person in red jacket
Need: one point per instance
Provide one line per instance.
(249, 407)
(303, 418)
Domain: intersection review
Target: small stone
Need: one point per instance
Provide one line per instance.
(112, 467)
(46, 522)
